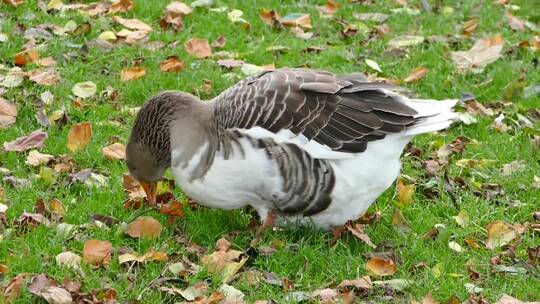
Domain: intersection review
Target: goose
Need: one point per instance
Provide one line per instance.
(295, 144)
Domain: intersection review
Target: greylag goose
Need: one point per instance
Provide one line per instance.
(294, 144)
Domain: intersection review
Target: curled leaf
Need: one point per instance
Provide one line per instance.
(381, 266)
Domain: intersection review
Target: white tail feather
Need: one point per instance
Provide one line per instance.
(433, 115)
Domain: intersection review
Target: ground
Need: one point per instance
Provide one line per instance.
(303, 255)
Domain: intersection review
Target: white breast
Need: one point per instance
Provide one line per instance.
(239, 181)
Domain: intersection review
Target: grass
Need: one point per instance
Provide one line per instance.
(313, 264)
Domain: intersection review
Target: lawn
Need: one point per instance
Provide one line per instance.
(494, 177)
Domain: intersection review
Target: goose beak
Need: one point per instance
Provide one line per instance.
(151, 191)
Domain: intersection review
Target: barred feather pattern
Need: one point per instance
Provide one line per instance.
(343, 113)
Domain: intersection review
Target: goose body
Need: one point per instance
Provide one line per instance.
(307, 145)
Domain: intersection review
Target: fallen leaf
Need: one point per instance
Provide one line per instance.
(174, 210)
(224, 261)
(44, 76)
(132, 37)
(416, 74)
(270, 17)
(200, 48)
(13, 289)
(14, 3)
(483, 52)
(297, 20)
(84, 89)
(46, 288)
(133, 24)
(191, 293)
(374, 65)
(116, 151)
(499, 234)
(506, 299)
(470, 26)
(462, 219)
(330, 7)
(230, 63)
(121, 6)
(69, 259)
(31, 141)
(79, 136)
(26, 57)
(8, 113)
(358, 231)
(230, 293)
(172, 64)
(144, 227)
(513, 167)
(132, 73)
(325, 295)
(455, 246)
(149, 256)
(96, 252)
(515, 23)
(404, 41)
(381, 266)
(400, 222)
(362, 283)
(405, 193)
(235, 16)
(35, 158)
(375, 17)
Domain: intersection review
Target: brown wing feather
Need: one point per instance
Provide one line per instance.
(343, 112)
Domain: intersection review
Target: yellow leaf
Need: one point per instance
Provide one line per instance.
(132, 73)
(79, 136)
(144, 226)
(500, 234)
(381, 266)
(405, 193)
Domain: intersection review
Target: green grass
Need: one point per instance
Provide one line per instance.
(314, 264)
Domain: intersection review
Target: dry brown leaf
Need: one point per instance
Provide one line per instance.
(35, 158)
(381, 266)
(79, 136)
(13, 288)
(96, 252)
(327, 295)
(133, 24)
(199, 48)
(362, 283)
(506, 299)
(172, 64)
(121, 6)
(297, 20)
(44, 76)
(500, 234)
(230, 63)
(514, 167)
(149, 256)
(13, 3)
(514, 22)
(116, 151)
(174, 210)
(132, 37)
(8, 113)
(483, 52)
(358, 231)
(470, 26)
(330, 7)
(46, 62)
(133, 73)
(144, 227)
(26, 57)
(32, 140)
(270, 17)
(224, 261)
(416, 74)
(405, 193)
(174, 14)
